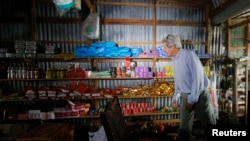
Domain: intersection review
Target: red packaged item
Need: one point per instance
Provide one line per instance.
(76, 106)
(73, 86)
(82, 88)
(127, 62)
(79, 73)
(30, 93)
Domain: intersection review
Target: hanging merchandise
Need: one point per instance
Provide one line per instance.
(63, 6)
(77, 5)
(91, 26)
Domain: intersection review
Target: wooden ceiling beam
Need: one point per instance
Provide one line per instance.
(228, 11)
(125, 4)
(247, 21)
(91, 6)
(191, 2)
(221, 8)
(151, 22)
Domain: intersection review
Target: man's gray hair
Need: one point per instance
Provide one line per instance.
(172, 40)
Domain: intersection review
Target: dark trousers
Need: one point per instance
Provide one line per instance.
(203, 110)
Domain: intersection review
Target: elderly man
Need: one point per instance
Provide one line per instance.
(191, 86)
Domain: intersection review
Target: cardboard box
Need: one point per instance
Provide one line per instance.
(47, 115)
(23, 116)
(34, 114)
(49, 132)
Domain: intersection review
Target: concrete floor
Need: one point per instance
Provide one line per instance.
(200, 139)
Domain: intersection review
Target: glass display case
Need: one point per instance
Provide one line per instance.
(240, 90)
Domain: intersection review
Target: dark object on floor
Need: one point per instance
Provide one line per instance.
(81, 132)
(116, 128)
(226, 118)
(114, 124)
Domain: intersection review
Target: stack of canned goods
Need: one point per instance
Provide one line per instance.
(143, 71)
(58, 73)
(119, 72)
(23, 73)
(138, 72)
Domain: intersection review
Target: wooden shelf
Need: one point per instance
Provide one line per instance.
(82, 59)
(240, 114)
(90, 78)
(160, 121)
(151, 22)
(241, 102)
(130, 115)
(152, 113)
(97, 116)
(137, 97)
(25, 100)
(71, 79)
(176, 4)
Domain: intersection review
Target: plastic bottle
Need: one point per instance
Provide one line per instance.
(9, 72)
(19, 73)
(24, 73)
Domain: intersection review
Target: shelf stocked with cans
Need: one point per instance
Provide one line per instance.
(70, 58)
(86, 109)
(98, 72)
(135, 81)
(37, 68)
(92, 78)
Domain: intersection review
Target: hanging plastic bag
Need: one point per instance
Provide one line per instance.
(63, 6)
(91, 26)
(77, 5)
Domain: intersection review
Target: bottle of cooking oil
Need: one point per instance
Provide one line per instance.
(9, 72)
(13, 72)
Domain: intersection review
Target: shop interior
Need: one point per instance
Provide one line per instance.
(79, 70)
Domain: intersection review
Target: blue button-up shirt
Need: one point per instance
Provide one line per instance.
(189, 75)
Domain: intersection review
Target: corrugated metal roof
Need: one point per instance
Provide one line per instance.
(217, 3)
(244, 14)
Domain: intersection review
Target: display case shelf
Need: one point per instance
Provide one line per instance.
(240, 89)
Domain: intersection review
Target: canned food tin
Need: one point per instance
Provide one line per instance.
(49, 73)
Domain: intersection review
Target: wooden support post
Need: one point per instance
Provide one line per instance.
(92, 7)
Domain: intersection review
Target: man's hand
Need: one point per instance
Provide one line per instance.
(189, 106)
(174, 104)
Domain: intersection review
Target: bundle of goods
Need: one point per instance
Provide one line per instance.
(158, 89)
(72, 110)
(106, 49)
